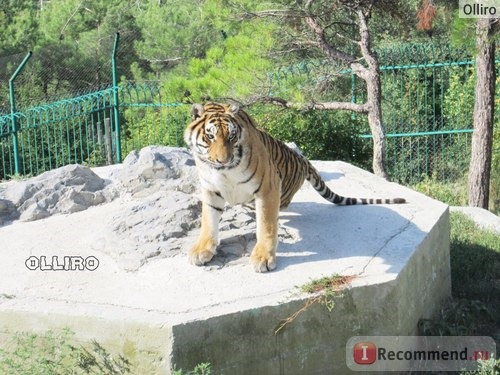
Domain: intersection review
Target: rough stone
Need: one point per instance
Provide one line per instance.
(170, 167)
(67, 189)
(34, 212)
(7, 211)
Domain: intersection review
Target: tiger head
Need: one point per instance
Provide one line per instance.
(214, 134)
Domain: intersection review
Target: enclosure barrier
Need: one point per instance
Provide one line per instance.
(428, 100)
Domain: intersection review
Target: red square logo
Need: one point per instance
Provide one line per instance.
(365, 353)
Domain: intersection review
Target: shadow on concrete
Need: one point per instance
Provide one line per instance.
(336, 232)
(316, 232)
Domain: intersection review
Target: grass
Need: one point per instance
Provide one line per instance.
(52, 354)
(200, 369)
(475, 276)
(455, 193)
(325, 290)
(329, 288)
(474, 309)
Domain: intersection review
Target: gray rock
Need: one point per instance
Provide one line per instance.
(157, 210)
(7, 211)
(74, 188)
(74, 201)
(67, 189)
(34, 212)
(6, 207)
(19, 192)
(170, 167)
(159, 217)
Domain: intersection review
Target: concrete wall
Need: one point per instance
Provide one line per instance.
(314, 343)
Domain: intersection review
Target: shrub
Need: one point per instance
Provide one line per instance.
(323, 135)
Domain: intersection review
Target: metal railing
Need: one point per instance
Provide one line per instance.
(428, 98)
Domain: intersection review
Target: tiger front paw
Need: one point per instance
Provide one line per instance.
(202, 252)
(263, 260)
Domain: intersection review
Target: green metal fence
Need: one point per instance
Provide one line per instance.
(428, 102)
(428, 98)
(83, 129)
(427, 106)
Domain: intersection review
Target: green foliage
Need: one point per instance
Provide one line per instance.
(173, 30)
(458, 105)
(463, 33)
(74, 20)
(324, 135)
(19, 26)
(488, 367)
(200, 369)
(53, 354)
(427, 98)
(475, 270)
(155, 126)
(233, 67)
(455, 192)
(452, 193)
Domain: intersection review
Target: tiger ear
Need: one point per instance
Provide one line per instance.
(196, 111)
(233, 109)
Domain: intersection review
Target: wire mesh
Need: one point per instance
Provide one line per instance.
(65, 97)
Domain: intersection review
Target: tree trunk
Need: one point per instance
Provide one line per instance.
(373, 92)
(374, 96)
(482, 137)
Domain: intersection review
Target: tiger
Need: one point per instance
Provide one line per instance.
(239, 163)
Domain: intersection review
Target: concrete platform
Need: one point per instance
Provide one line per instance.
(169, 314)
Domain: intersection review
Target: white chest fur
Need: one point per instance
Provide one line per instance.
(229, 183)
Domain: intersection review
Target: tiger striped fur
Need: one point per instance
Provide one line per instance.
(239, 163)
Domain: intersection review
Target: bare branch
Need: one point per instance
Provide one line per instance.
(277, 13)
(331, 52)
(364, 42)
(61, 33)
(360, 70)
(326, 106)
(164, 61)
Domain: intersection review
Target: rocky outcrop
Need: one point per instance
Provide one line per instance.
(69, 189)
(149, 206)
(155, 167)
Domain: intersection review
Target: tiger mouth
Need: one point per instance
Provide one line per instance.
(231, 163)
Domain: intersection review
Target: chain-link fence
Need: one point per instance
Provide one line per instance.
(428, 102)
(427, 106)
(71, 101)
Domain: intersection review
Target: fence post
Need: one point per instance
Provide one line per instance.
(100, 141)
(116, 100)
(15, 139)
(353, 93)
(108, 136)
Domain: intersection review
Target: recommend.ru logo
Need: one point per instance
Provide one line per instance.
(418, 353)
